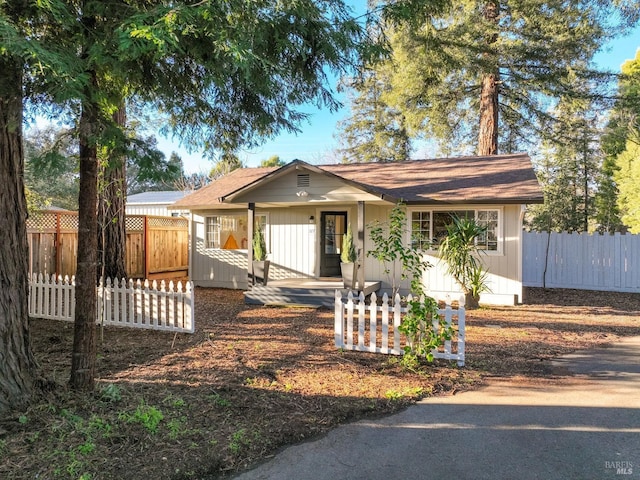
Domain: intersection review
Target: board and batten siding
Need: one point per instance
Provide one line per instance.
(291, 244)
(505, 277)
(322, 189)
(294, 250)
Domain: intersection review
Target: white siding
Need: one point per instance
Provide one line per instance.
(291, 249)
(293, 242)
(294, 252)
(322, 188)
(504, 268)
(215, 267)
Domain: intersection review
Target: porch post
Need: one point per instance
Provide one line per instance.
(361, 252)
(251, 210)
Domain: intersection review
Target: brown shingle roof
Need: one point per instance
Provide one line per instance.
(490, 179)
(209, 195)
(494, 179)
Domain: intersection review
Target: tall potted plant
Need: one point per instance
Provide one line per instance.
(348, 260)
(459, 250)
(260, 262)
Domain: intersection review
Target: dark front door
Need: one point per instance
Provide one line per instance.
(333, 226)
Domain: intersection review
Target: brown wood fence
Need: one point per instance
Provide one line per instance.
(156, 247)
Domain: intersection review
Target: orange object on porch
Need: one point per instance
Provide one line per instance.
(231, 243)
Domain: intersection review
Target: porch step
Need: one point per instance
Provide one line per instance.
(298, 296)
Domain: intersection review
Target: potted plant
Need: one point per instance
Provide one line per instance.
(458, 249)
(260, 262)
(348, 260)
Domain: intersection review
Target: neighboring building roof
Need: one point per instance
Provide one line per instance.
(490, 179)
(165, 197)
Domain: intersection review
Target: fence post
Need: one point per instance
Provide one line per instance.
(338, 321)
(397, 309)
(461, 332)
(385, 322)
(190, 306)
(373, 320)
(147, 250)
(361, 319)
(350, 306)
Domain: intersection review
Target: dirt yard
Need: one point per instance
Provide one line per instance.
(254, 379)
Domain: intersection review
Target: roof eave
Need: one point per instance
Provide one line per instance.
(297, 164)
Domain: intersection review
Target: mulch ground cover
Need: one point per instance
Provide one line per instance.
(254, 379)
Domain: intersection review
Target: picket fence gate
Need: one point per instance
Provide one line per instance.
(384, 336)
(121, 303)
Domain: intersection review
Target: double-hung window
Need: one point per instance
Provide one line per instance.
(429, 227)
(229, 232)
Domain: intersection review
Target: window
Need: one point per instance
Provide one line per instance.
(421, 230)
(229, 232)
(429, 227)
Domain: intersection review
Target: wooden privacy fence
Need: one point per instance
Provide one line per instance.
(357, 326)
(581, 261)
(156, 247)
(124, 304)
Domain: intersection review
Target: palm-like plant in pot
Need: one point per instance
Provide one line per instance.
(459, 250)
(260, 262)
(348, 260)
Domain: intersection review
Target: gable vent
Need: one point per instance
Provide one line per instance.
(303, 180)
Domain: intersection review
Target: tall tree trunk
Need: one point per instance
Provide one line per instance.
(488, 128)
(83, 361)
(112, 233)
(18, 366)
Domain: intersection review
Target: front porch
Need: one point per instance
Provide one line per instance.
(301, 291)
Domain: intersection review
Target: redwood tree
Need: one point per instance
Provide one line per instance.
(17, 365)
(478, 75)
(111, 205)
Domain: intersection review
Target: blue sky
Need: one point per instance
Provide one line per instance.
(316, 142)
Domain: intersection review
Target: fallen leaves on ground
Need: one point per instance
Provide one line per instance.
(254, 379)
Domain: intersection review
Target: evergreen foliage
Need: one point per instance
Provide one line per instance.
(374, 131)
(259, 246)
(568, 168)
(478, 69)
(348, 253)
(223, 74)
(628, 180)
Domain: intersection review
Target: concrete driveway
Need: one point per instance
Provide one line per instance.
(584, 426)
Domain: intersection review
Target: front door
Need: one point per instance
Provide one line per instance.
(333, 226)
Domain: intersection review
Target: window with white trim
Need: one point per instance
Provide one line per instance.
(229, 232)
(429, 227)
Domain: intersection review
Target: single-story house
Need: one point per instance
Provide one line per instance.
(155, 203)
(304, 211)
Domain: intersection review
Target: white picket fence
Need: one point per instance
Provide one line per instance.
(581, 261)
(121, 303)
(355, 322)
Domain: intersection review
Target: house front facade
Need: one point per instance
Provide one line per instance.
(304, 211)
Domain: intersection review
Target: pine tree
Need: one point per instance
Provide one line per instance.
(225, 74)
(485, 74)
(374, 131)
(568, 171)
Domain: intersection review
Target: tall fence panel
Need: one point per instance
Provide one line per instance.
(357, 326)
(581, 261)
(168, 307)
(156, 247)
